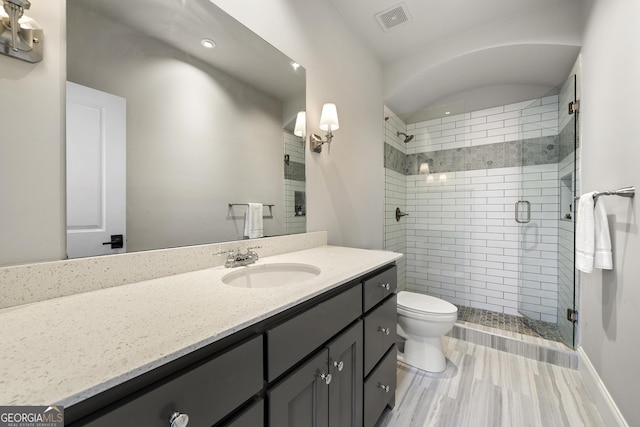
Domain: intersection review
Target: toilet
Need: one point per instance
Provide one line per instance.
(423, 320)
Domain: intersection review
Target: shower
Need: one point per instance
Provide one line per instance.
(407, 138)
(492, 223)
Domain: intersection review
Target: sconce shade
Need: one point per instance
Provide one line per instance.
(329, 118)
(301, 125)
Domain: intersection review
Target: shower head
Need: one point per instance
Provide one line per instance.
(407, 138)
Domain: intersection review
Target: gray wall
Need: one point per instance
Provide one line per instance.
(197, 138)
(610, 131)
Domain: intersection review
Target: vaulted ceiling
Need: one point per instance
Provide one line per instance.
(477, 52)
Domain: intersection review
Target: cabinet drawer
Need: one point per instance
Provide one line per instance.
(380, 388)
(206, 393)
(380, 332)
(298, 337)
(375, 289)
(252, 417)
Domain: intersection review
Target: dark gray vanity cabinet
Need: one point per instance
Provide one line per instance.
(327, 362)
(302, 398)
(296, 338)
(379, 303)
(324, 391)
(345, 389)
(206, 393)
(379, 388)
(379, 332)
(253, 416)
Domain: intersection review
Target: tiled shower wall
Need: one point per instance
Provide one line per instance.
(294, 180)
(463, 243)
(395, 193)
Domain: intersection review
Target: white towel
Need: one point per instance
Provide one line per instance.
(253, 227)
(603, 256)
(585, 234)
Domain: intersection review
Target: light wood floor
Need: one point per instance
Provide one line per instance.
(486, 387)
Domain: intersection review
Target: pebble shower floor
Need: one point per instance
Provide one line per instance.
(508, 322)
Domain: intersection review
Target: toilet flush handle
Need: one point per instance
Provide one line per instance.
(385, 331)
(385, 286)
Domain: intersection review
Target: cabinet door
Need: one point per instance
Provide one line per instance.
(302, 398)
(345, 390)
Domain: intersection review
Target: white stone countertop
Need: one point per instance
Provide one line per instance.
(64, 350)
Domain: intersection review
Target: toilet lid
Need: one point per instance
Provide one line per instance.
(424, 303)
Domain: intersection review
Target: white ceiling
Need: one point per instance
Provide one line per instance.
(455, 50)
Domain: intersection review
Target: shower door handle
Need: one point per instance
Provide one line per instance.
(517, 212)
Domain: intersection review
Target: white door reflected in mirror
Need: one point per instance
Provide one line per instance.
(96, 172)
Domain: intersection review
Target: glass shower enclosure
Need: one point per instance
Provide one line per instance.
(545, 213)
(488, 197)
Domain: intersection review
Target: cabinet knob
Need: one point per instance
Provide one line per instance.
(326, 378)
(385, 286)
(384, 387)
(385, 331)
(339, 365)
(178, 419)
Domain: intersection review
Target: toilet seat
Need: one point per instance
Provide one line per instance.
(421, 304)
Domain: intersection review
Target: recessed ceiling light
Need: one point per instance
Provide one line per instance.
(295, 66)
(208, 43)
(447, 112)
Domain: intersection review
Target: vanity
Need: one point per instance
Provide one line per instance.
(321, 352)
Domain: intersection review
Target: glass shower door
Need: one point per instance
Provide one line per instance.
(544, 213)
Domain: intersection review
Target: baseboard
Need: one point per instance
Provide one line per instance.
(608, 409)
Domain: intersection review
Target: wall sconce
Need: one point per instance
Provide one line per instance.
(20, 36)
(300, 128)
(328, 122)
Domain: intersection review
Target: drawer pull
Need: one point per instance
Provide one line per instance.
(385, 331)
(339, 365)
(384, 387)
(326, 378)
(178, 420)
(385, 286)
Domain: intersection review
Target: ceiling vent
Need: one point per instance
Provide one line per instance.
(393, 17)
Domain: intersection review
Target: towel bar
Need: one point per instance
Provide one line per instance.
(247, 204)
(624, 192)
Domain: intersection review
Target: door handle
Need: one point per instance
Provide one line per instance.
(117, 241)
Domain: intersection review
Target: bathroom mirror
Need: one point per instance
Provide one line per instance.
(210, 109)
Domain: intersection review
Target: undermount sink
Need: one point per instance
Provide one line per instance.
(270, 275)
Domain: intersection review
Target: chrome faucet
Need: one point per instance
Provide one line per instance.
(238, 259)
